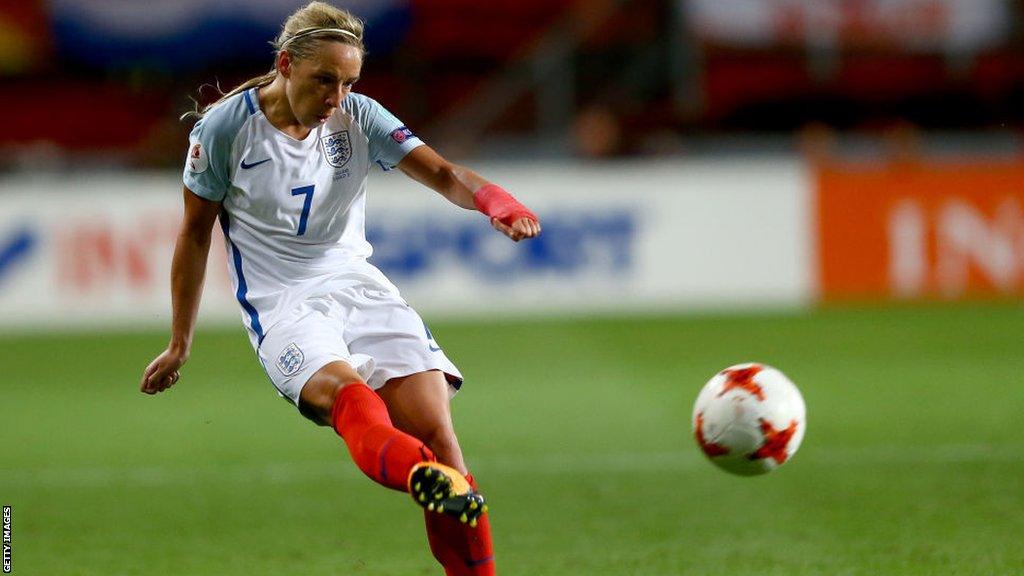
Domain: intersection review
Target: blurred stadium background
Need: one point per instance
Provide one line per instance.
(835, 187)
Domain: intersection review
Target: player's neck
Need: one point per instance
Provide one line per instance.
(274, 103)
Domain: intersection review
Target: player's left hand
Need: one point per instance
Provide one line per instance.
(520, 229)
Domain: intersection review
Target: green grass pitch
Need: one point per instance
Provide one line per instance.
(579, 433)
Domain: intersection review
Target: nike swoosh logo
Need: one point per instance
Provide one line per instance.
(254, 164)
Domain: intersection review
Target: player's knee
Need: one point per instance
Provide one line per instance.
(316, 401)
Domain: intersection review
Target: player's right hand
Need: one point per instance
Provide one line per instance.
(162, 373)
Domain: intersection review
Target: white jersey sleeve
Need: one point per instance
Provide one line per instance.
(208, 165)
(388, 139)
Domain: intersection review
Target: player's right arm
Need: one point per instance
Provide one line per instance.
(187, 272)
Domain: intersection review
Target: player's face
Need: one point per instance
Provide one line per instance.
(318, 85)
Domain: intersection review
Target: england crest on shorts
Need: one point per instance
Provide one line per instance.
(290, 359)
(337, 148)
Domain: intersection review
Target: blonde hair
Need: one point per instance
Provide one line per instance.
(302, 34)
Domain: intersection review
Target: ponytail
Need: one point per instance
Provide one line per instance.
(257, 82)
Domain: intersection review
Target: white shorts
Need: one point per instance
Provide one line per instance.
(367, 326)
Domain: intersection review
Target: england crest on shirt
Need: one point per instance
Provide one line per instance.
(337, 148)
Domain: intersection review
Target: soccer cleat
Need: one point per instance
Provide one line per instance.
(442, 489)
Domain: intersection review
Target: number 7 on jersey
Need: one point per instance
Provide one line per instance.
(308, 192)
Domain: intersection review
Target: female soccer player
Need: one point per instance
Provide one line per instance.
(282, 160)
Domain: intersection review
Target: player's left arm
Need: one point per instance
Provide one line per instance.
(465, 188)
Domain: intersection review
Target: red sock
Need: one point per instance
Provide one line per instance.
(380, 450)
(463, 551)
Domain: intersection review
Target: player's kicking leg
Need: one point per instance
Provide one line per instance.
(418, 404)
(336, 396)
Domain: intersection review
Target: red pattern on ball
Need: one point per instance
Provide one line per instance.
(743, 378)
(709, 448)
(776, 442)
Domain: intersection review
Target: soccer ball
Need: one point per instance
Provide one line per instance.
(749, 419)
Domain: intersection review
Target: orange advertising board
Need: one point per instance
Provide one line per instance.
(920, 230)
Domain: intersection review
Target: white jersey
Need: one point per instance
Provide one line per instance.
(293, 210)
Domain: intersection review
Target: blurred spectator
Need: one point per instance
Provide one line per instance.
(596, 133)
